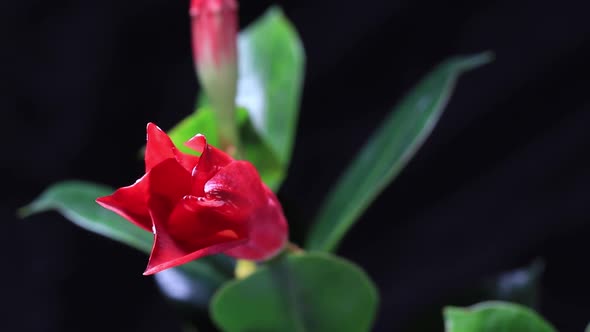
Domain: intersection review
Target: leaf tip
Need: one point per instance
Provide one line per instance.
(34, 207)
(24, 212)
(447, 310)
(275, 11)
(477, 60)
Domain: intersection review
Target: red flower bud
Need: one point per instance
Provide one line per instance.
(214, 25)
(199, 206)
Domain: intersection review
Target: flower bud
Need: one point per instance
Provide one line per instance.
(214, 25)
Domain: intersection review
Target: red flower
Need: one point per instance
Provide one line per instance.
(199, 206)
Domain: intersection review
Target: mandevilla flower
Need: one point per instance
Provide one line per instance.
(199, 206)
(214, 28)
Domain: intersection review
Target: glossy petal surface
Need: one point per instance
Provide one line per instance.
(177, 242)
(210, 162)
(260, 209)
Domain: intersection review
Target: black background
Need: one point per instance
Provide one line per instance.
(503, 179)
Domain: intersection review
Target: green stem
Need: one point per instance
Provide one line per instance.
(228, 132)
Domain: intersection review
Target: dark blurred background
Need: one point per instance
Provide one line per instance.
(504, 179)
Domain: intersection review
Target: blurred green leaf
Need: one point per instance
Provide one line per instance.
(387, 151)
(202, 121)
(259, 153)
(255, 150)
(76, 201)
(588, 328)
(304, 292)
(494, 316)
(271, 68)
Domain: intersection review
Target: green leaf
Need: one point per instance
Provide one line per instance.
(255, 150)
(271, 68)
(202, 121)
(76, 201)
(387, 151)
(494, 316)
(304, 292)
(588, 328)
(260, 154)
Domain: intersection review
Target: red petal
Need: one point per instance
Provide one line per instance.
(195, 222)
(130, 203)
(197, 143)
(268, 232)
(192, 231)
(239, 184)
(186, 228)
(210, 162)
(169, 182)
(186, 160)
(159, 147)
